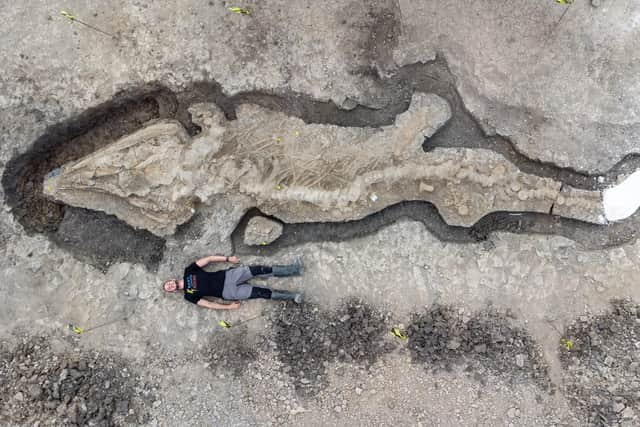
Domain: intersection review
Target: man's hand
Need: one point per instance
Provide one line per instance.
(233, 306)
(234, 259)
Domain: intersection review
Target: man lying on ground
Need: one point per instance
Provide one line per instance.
(231, 284)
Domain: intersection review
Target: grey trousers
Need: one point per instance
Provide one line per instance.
(235, 286)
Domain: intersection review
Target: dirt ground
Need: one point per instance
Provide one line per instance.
(527, 319)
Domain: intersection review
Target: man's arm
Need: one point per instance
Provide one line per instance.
(215, 306)
(216, 258)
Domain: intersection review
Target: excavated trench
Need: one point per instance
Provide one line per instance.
(91, 236)
(102, 239)
(590, 236)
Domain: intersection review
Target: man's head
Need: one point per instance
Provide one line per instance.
(170, 285)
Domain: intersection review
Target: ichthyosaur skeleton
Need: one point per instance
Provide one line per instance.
(156, 177)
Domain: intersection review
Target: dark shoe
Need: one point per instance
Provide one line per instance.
(294, 269)
(286, 296)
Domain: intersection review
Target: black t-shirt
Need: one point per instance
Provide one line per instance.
(199, 283)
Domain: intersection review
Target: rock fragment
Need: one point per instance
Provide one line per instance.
(261, 231)
(513, 413)
(628, 414)
(618, 407)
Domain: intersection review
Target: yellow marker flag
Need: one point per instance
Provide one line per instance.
(395, 331)
(240, 10)
(67, 15)
(76, 329)
(568, 344)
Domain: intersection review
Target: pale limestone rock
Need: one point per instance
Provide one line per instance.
(298, 172)
(426, 187)
(261, 231)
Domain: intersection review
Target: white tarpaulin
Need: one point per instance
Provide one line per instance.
(623, 200)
